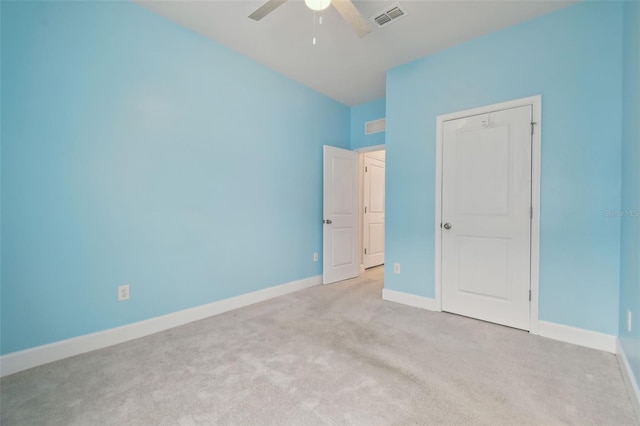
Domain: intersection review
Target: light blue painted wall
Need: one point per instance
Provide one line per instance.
(135, 151)
(630, 230)
(362, 113)
(573, 59)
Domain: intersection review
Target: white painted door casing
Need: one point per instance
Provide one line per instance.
(340, 215)
(486, 198)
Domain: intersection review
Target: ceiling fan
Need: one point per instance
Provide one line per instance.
(344, 7)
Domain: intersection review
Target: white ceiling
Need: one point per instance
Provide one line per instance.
(342, 66)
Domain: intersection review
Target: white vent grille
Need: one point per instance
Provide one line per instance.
(389, 14)
(382, 19)
(375, 126)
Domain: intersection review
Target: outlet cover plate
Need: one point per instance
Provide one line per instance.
(123, 292)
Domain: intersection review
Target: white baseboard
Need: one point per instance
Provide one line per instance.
(564, 333)
(629, 379)
(410, 299)
(578, 336)
(33, 357)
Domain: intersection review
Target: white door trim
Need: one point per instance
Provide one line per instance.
(536, 103)
(373, 148)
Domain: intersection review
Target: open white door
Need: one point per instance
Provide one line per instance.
(340, 209)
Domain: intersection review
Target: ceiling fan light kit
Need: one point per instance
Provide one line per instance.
(317, 5)
(345, 8)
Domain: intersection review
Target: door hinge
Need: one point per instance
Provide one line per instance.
(531, 212)
(529, 295)
(365, 251)
(533, 123)
(365, 169)
(365, 209)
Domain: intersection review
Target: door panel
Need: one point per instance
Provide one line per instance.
(376, 239)
(343, 195)
(484, 266)
(483, 165)
(340, 210)
(342, 239)
(486, 199)
(374, 192)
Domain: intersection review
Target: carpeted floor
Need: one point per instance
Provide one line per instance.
(331, 354)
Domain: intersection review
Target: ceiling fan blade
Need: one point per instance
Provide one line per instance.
(353, 16)
(266, 9)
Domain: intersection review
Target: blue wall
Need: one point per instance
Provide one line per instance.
(630, 230)
(573, 58)
(362, 113)
(135, 151)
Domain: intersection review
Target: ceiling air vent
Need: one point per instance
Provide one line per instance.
(375, 126)
(389, 14)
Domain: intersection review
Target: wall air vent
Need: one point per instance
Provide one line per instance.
(389, 14)
(375, 126)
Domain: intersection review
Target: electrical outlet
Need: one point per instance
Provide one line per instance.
(629, 320)
(315, 257)
(396, 268)
(123, 292)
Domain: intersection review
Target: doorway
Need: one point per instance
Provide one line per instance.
(347, 175)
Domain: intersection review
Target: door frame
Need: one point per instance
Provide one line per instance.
(536, 104)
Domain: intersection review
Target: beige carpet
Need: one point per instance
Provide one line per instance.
(332, 354)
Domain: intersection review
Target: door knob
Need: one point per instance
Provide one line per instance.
(328, 221)
(447, 226)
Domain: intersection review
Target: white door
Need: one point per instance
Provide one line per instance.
(340, 222)
(373, 209)
(486, 200)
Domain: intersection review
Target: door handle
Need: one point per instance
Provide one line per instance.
(327, 221)
(447, 226)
